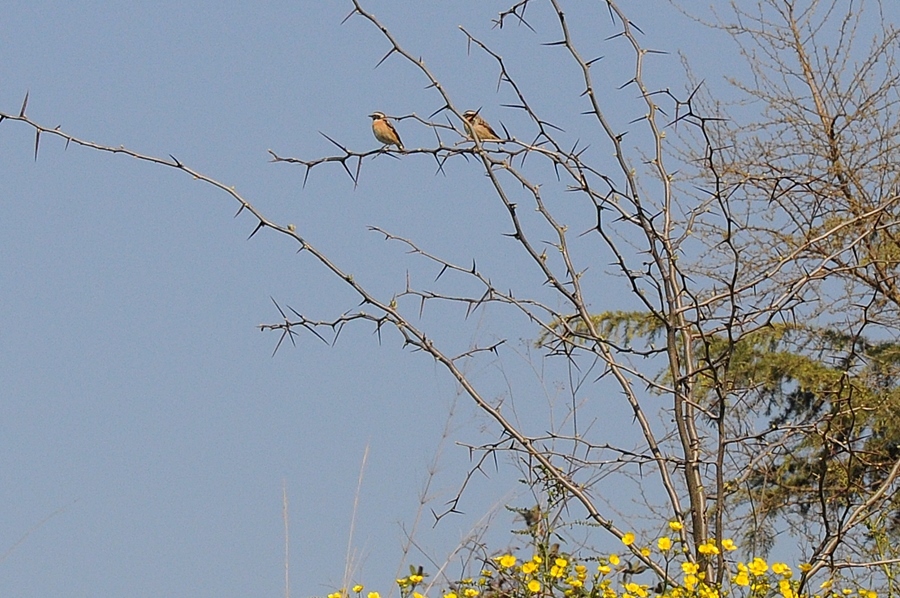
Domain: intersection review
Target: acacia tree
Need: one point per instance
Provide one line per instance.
(759, 362)
(815, 175)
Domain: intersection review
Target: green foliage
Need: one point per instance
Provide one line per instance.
(833, 399)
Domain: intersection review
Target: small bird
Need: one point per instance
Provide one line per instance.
(479, 127)
(384, 130)
(629, 569)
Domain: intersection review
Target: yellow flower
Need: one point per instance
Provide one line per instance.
(633, 588)
(576, 583)
(707, 592)
(470, 593)
(403, 582)
(708, 548)
(417, 595)
(613, 559)
(826, 584)
(537, 559)
(804, 567)
(580, 569)
(561, 563)
(507, 561)
(742, 579)
(628, 539)
(374, 595)
(781, 569)
(556, 571)
(534, 586)
(728, 544)
(450, 595)
(690, 581)
(357, 588)
(690, 568)
(415, 578)
(871, 594)
(664, 543)
(529, 567)
(675, 526)
(334, 595)
(604, 569)
(758, 566)
(645, 551)
(784, 586)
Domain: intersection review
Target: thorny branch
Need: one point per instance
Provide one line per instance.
(710, 270)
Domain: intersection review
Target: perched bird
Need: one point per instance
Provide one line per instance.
(384, 130)
(479, 127)
(553, 552)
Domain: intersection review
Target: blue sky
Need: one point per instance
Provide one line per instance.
(141, 409)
